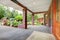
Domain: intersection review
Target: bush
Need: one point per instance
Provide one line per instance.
(15, 23)
(13, 18)
(19, 18)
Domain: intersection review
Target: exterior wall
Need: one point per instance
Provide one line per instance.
(58, 20)
(56, 23)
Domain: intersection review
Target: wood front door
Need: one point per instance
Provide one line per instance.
(56, 18)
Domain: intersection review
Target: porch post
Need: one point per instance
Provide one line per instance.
(32, 19)
(25, 18)
(45, 19)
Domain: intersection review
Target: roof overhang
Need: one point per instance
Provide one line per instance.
(34, 5)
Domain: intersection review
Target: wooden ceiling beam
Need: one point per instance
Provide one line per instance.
(24, 7)
(40, 12)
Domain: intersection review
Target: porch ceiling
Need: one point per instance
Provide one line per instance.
(36, 5)
(33, 5)
(9, 3)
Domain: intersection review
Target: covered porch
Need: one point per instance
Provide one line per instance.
(35, 8)
(46, 7)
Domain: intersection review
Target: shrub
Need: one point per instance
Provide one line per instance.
(19, 18)
(15, 23)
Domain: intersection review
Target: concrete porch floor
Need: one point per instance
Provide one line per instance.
(10, 33)
(41, 28)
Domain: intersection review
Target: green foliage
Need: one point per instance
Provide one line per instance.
(29, 17)
(19, 18)
(8, 14)
(2, 11)
(14, 13)
(15, 23)
(35, 17)
(14, 18)
(20, 22)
